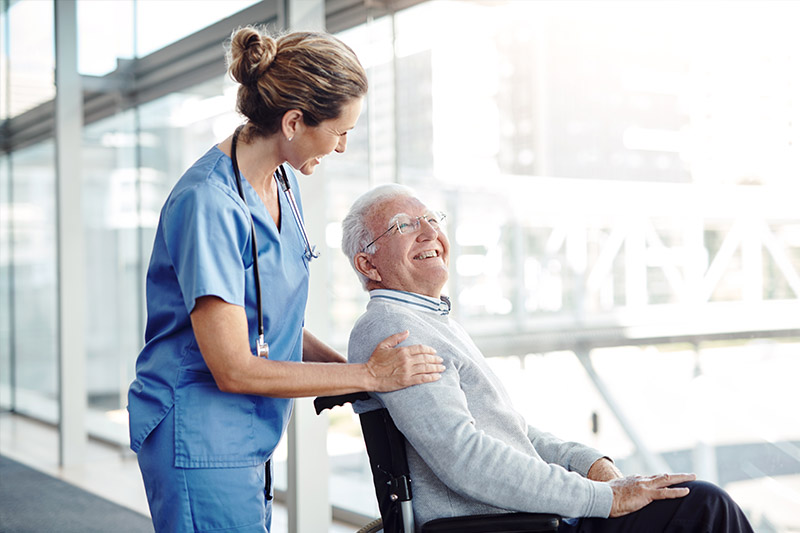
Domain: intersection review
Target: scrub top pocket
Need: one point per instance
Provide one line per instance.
(213, 428)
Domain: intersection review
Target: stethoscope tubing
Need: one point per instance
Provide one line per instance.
(280, 175)
(262, 347)
(261, 344)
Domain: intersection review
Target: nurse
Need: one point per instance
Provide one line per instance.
(207, 409)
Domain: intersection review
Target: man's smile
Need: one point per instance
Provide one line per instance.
(426, 255)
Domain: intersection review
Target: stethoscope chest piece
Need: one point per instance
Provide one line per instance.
(262, 348)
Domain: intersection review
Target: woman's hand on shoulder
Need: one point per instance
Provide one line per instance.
(393, 367)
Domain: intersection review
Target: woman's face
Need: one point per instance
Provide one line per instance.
(311, 143)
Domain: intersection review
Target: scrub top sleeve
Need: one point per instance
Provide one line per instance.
(206, 232)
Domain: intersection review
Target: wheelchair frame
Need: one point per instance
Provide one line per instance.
(393, 489)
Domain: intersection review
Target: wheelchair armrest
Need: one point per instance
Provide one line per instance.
(329, 402)
(495, 523)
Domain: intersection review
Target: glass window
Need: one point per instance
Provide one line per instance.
(130, 163)
(111, 193)
(607, 170)
(30, 62)
(4, 78)
(33, 239)
(6, 280)
(100, 44)
(140, 27)
(162, 22)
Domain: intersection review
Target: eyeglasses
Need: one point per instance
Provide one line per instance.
(405, 224)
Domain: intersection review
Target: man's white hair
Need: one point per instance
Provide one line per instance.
(355, 233)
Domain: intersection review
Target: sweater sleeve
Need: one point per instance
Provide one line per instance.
(436, 421)
(573, 456)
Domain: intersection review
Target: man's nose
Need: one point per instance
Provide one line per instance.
(427, 230)
(342, 145)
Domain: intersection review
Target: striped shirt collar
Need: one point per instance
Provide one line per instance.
(440, 306)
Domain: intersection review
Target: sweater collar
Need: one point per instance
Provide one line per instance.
(440, 306)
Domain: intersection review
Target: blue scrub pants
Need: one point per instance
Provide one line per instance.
(706, 509)
(200, 499)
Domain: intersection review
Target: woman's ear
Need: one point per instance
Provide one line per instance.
(291, 123)
(364, 265)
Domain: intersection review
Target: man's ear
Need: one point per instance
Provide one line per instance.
(291, 122)
(364, 265)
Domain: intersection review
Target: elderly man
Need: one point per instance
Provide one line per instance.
(469, 451)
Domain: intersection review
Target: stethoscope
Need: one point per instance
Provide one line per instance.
(262, 348)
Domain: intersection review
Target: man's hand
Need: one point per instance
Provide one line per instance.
(604, 469)
(634, 492)
(396, 368)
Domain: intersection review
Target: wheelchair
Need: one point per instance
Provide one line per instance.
(386, 448)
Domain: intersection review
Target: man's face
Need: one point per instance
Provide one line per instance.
(414, 262)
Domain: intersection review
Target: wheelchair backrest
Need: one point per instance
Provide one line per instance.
(386, 448)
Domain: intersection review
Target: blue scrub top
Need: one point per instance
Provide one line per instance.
(203, 247)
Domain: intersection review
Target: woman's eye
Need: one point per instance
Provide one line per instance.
(403, 226)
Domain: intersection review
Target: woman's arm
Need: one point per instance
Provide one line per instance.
(316, 351)
(221, 332)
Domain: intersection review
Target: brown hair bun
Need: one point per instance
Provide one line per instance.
(311, 71)
(251, 54)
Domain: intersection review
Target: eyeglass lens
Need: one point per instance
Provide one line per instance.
(407, 224)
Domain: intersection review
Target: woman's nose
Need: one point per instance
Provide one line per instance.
(342, 146)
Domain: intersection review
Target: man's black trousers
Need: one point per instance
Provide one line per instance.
(706, 509)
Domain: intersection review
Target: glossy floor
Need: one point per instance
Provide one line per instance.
(112, 473)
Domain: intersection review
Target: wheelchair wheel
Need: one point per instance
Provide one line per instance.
(376, 526)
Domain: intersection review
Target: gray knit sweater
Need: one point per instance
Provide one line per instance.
(469, 451)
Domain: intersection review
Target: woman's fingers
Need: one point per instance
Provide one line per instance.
(408, 351)
(397, 368)
(417, 364)
(422, 360)
(427, 368)
(393, 340)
